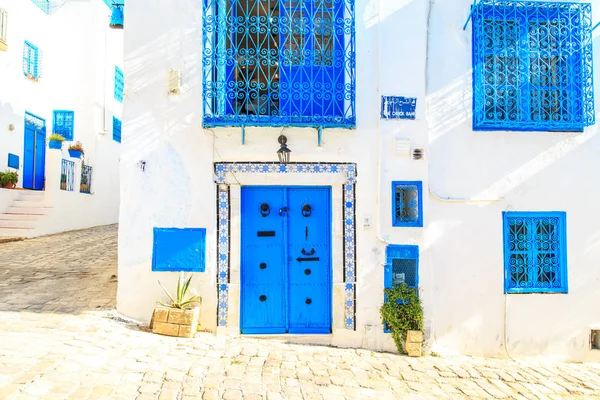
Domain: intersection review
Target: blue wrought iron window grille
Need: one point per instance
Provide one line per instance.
(116, 129)
(43, 5)
(401, 266)
(407, 203)
(119, 84)
(535, 252)
(279, 62)
(532, 66)
(64, 122)
(31, 61)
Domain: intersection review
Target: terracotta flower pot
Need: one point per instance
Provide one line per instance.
(175, 321)
(8, 186)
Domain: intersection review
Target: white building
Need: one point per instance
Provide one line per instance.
(376, 190)
(58, 68)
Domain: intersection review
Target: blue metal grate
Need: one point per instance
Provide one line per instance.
(31, 61)
(401, 266)
(535, 253)
(532, 66)
(407, 203)
(64, 123)
(119, 84)
(116, 129)
(43, 5)
(279, 62)
(85, 185)
(67, 175)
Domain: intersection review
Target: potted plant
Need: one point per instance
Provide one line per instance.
(180, 316)
(76, 150)
(8, 179)
(402, 313)
(55, 141)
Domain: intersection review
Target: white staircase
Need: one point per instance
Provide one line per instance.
(20, 218)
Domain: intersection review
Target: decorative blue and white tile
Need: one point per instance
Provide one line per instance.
(223, 307)
(349, 169)
(349, 235)
(349, 309)
(223, 228)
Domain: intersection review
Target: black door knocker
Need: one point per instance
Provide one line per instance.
(306, 210)
(265, 210)
(308, 253)
(283, 211)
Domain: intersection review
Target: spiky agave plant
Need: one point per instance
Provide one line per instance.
(181, 299)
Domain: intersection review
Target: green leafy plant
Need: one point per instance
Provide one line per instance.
(402, 311)
(9, 178)
(181, 299)
(77, 146)
(56, 136)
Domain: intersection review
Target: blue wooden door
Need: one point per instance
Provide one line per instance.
(310, 260)
(286, 260)
(34, 153)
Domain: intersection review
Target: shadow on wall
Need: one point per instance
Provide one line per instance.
(520, 171)
(11, 141)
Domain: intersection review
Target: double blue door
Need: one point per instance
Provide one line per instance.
(34, 157)
(286, 260)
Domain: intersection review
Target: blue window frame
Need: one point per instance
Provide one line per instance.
(535, 252)
(177, 249)
(401, 266)
(532, 66)
(279, 62)
(119, 84)
(407, 203)
(116, 129)
(43, 5)
(64, 122)
(31, 61)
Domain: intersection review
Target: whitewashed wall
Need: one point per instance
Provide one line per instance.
(520, 171)
(461, 262)
(79, 54)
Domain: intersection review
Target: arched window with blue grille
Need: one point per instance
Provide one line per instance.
(279, 62)
(532, 66)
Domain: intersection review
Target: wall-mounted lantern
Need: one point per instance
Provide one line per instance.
(283, 153)
(116, 18)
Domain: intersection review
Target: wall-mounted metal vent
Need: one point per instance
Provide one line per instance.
(418, 154)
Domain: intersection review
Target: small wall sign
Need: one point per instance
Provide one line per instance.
(398, 107)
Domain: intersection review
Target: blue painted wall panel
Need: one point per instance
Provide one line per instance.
(179, 249)
(13, 161)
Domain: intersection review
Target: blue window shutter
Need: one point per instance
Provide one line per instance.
(31, 61)
(116, 129)
(407, 203)
(302, 72)
(13, 161)
(64, 123)
(119, 84)
(177, 249)
(401, 266)
(535, 252)
(43, 5)
(532, 66)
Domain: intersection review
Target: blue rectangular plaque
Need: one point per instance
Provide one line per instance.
(398, 107)
(13, 161)
(179, 249)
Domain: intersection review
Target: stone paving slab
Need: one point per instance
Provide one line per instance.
(60, 338)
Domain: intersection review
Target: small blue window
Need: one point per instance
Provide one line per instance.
(13, 161)
(64, 123)
(532, 66)
(119, 84)
(31, 61)
(279, 62)
(535, 252)
(116, 129)
(407, 202)
(401, 266)
(44, 5)
(179, 249)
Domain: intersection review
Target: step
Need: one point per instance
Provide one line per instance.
(14, 232)
(30, 195)
(6, 223)
(27, 203)
(28, 210)
(19, 217)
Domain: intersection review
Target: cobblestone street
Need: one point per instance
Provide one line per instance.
(61, 339)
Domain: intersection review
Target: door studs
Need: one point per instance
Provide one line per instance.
(307, 272)
(262, 297)
(308, 301)
(263, 266)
